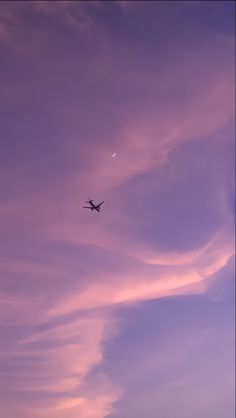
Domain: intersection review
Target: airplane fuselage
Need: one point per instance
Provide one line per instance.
(94, 207)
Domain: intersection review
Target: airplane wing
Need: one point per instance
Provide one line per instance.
(87, 207)
(98, 206)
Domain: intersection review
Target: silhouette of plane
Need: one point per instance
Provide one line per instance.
(93, 207)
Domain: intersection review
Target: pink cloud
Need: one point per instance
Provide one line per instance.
(60, 367)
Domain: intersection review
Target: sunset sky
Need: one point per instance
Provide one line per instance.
(126, 313)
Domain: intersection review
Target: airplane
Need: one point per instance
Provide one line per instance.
(93, 207)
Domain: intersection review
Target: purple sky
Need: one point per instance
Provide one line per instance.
(127, 313)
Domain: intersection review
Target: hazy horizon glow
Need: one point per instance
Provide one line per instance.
(127, 313)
